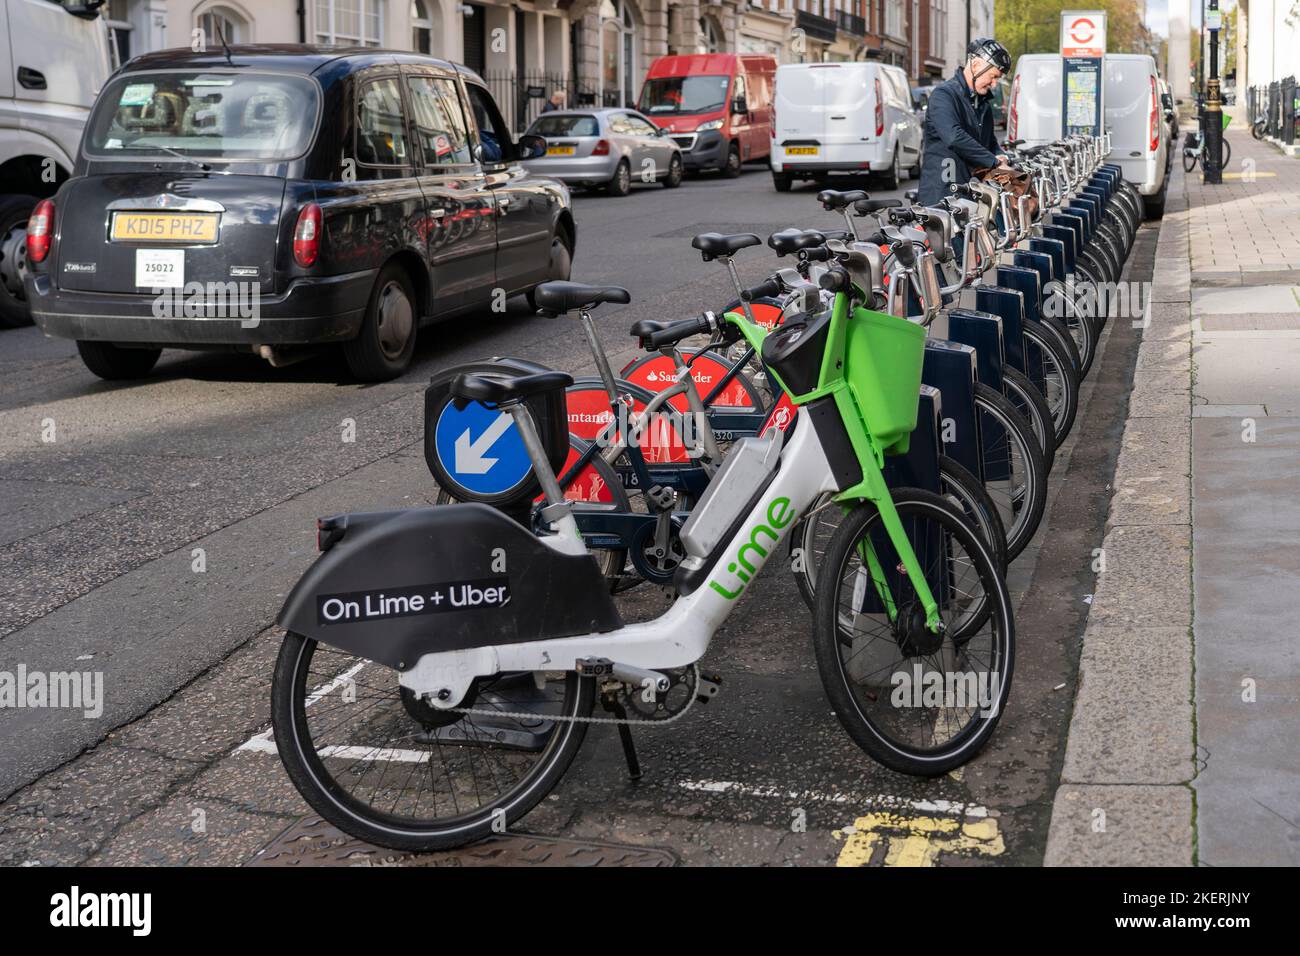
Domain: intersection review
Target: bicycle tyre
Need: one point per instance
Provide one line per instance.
(812, 534)
(328, 795)
(1060, 380)
(1029, 401)
(867, 730)
(1022, 503)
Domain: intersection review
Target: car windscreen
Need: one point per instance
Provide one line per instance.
(684, 94)
(213, 115)
(565, 125)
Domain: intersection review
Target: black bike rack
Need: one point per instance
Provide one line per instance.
(919, 466)
(983, 332)
(950, 367)
(1009, 306)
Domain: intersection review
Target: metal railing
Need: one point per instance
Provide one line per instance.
(1278, 105)
(522, 96)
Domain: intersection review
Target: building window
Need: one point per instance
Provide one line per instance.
(894, 18)
(219, 22)
(618, 44)
(938, 27)
(349, 22)
(710, 36)
(421, 28)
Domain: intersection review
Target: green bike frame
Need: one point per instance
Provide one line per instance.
(871, 367)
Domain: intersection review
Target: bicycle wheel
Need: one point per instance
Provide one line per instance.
(1227, 154)
(1015, 474)
(1047, 357)
(388, 768)
(875, 665)
(1083, 331)
(813, 534)
(1189, 159)
(1107, 237)
(1029, 402)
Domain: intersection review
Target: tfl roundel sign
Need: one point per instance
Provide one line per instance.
(1083, 33)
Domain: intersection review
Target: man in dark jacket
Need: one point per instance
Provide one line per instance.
(959, 121)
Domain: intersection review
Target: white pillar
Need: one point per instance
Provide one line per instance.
(501, 39)
(555, 38)
(1180, 49)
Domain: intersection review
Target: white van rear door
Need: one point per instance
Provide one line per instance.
(1037, 100)
(799, 102)
(850, 103)
(1128, 106)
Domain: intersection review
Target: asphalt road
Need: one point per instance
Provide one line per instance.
(152, 529)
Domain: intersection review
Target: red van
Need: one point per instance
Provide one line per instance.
(717, 106)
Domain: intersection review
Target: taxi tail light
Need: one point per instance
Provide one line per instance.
(40, 229)
(880, 111)
(601, 148)
(306, 235)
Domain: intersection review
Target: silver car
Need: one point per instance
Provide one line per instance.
(607, 148)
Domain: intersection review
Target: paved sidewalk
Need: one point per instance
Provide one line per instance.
(1182, 744)
(1245, 258)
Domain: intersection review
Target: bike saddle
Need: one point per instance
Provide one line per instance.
(501, 389)
(841, 234)
(713, 244)
(833, 200)
(865, 207)
(912, 195)
(789, 241)
(559, 298)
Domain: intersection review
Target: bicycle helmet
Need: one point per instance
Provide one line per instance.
(990, 51)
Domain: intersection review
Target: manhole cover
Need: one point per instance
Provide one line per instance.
(313, 842)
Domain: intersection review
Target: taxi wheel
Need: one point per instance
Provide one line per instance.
(112, 362)
(383, 348)
(561, 267)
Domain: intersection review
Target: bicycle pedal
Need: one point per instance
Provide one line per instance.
(661, 497)
(708, 687)
(594, 667)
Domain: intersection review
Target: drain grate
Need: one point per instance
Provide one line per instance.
(313, 842)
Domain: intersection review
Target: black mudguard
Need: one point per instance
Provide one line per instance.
(399, 584)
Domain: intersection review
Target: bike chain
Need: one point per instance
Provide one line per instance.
(532, 715)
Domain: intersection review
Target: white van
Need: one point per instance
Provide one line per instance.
(844, 118)
(1134, 116)
(54, 57)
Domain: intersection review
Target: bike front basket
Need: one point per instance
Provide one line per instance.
(883, 357)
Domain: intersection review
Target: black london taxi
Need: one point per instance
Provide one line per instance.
(276, 198)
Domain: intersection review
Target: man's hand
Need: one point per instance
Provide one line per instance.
(1002, 159)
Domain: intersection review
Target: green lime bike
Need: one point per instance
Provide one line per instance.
(417, 726)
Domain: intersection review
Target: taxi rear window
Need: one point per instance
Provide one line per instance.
(213, 115)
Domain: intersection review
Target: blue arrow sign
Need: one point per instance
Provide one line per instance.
(481, 450)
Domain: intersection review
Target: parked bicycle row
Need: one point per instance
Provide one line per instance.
(883, 409)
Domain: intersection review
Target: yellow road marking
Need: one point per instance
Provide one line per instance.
(1251, 175)
(916, 840)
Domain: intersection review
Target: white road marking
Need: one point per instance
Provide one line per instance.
(263, 744)
(796, 796)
